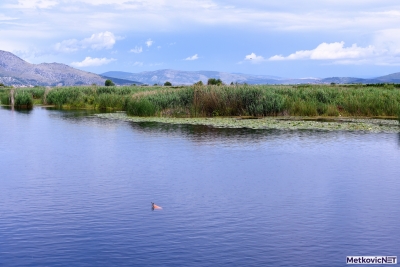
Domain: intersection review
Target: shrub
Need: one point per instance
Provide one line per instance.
(198, 83)
(213, 81)
(167, 83)
(109, 83)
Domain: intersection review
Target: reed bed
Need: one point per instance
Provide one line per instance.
(210, 101)
(259, 101)
(23, 99)
(111, 98)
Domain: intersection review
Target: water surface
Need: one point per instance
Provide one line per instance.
(75, 190)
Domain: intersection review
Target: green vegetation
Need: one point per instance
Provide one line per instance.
(167, 83)
(212, 100)
(109, 83)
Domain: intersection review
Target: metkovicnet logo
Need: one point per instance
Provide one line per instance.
(371, 260)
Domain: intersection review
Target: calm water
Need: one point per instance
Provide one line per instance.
(76, 190)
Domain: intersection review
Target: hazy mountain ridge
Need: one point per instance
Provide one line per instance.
(17, 72)
(189, 77)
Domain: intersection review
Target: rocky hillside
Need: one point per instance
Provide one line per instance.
(17, 72)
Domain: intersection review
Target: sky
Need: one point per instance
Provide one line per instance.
(285, 38)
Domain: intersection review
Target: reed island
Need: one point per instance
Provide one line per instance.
(354, 107)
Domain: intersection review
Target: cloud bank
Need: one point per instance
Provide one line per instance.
(331, 51)
(384, 51)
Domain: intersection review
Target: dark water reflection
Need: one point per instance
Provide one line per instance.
(76, 190)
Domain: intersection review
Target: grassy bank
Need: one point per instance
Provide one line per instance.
(212, 101)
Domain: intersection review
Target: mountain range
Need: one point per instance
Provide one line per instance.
(17, 72)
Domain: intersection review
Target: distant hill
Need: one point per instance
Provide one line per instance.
(17, 72)
(391, 78)
(118, 81)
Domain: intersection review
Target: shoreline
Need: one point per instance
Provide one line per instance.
(277, 123)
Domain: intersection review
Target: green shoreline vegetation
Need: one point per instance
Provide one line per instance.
(216, 101)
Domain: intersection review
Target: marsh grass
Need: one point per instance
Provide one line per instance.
(23, 99)
(5, 96)
(107, 97)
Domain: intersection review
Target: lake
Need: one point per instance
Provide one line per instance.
(75, 190)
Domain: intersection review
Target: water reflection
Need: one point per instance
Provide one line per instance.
(206, 134)
(201, 134)
(398, 139)
(21, 111)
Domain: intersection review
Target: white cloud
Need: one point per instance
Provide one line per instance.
(98, 41)
(6, 18)
(67, 46)
(331, 51)
(384, 51)
(102, 40)
(137, 63)
(93, 62)
(156, 64)
(45, 4)
(137, 50)
(194, 57)
(254, 58)
(149, 43)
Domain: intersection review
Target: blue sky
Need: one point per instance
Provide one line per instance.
(287, 38)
